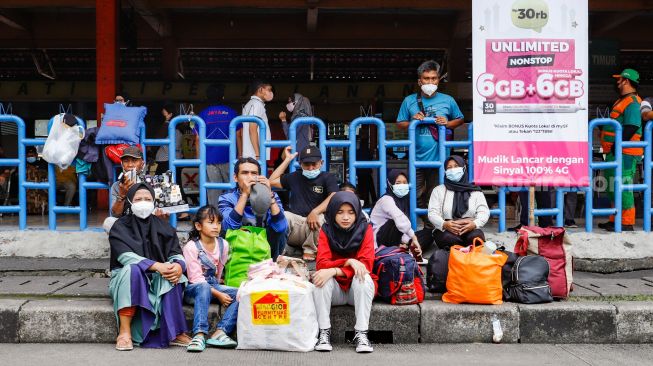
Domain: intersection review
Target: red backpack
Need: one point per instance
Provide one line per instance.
(554, 245)
(401, 281)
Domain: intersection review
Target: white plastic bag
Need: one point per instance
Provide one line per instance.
(62, 143)
(277, 314)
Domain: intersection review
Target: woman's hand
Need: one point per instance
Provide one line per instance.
(171, 272)
(452, 227)
(321, 277)
(224, 299)
(467, 226)
(359, 268)
(416, 248)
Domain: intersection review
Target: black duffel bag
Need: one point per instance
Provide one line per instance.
(529, 283)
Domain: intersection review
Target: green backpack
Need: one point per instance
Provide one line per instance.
(247, 245)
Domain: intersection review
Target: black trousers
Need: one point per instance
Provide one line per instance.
(388, 235)
(445, 239)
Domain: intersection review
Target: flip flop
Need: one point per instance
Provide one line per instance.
(124, 343)
(197, 344)
(179, 343)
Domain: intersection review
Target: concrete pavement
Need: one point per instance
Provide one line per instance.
(414, 354)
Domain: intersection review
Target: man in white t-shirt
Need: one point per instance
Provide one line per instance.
(262, 93)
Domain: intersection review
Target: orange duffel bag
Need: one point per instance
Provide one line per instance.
(474, 276)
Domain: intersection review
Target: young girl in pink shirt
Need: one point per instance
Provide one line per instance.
(206, 254)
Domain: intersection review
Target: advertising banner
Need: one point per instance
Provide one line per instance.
(530, 87)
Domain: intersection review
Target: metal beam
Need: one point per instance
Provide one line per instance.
(154, 17)
(13, 20)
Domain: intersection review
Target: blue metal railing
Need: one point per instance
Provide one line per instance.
(353, 165)
(21, 208)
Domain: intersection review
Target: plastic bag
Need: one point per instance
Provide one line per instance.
(277, 313)
(247, 245)
(474, 277)
(62, 143)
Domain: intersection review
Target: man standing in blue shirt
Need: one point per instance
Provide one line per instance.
(217, 118)
(428, 103)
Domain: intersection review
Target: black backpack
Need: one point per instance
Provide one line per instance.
(437, 270)
(529, 283)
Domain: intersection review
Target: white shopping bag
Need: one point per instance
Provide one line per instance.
(62, 143)
(277, 314)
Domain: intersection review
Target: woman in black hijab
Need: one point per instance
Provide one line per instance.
(345, 256)
(390, 217)
(146, 263)
(457, 209)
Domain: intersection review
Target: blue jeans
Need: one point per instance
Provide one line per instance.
(277, 242)
(200, 295)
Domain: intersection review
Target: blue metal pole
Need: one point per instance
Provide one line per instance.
(262, 133)
(412, 174)
(618, 187)
(19, 163)
(648, 137)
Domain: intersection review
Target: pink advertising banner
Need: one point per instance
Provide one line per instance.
(530, 93)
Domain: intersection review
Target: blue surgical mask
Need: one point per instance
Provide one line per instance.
(454, 174)
(311, 174)
(31, 159)
(400, 190)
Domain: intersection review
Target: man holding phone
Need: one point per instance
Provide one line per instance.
(132, 164)
(428, 102)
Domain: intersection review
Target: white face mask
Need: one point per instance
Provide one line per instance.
(290, 106)
(142, 209)
(454, 174)
(401, 190)
(429, 89)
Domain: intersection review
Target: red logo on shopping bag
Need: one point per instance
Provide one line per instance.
(270, 308)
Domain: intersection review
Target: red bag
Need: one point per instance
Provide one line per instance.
(554, 245)
(113, 152)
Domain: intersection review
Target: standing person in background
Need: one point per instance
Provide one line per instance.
(217, 118)
(162, 155)
(261, 94)
(299, 106)
(626, 110)
(364, 178)
(428, 102)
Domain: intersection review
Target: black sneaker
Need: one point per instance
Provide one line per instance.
(324, 341)
(623, 228)
(363, 344)
(608, 225)
(570, 224)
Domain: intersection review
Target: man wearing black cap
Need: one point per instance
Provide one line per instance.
(310, 191)
(132, 163)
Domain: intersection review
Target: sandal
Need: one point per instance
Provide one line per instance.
(197, 344)
(308, 257)
(182, 340)
(124, 343)
(222, 341)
